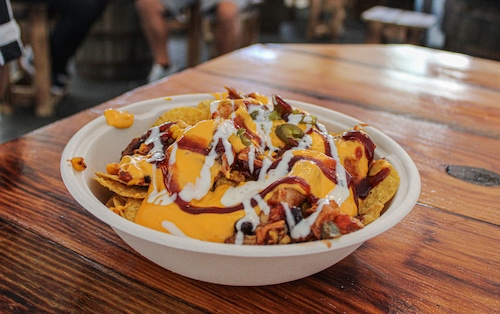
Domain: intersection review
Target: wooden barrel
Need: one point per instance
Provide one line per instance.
(471, 27)
(115, 48)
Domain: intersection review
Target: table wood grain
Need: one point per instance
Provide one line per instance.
(443, 108)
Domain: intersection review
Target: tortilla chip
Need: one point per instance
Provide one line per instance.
(115, 201)
(190, 115)
(372, 206)
(113, 177)
(204, 105)
(125, 207)
(138, 192)
(116, 178)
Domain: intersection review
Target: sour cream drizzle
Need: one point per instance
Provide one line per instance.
(156, 153)
(203, 184)
(249, 192)
(341, 191)
(172, 228)
(155, 196)
(290, 220)
(251, 159)
(303, 228)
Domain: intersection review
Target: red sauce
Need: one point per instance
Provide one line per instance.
(282, 107)
(239, 124)
(328, 168)
(190, 144)
(364, 139)
(364, 186)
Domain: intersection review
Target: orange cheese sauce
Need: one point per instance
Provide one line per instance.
(137, 167)
(171, 218)
(119, 119)
(191, 167)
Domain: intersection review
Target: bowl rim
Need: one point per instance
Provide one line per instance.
(80, 191)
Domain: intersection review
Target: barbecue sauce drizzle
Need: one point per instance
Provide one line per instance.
(361, 188)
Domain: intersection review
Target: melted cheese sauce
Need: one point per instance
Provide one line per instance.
(182, 201)
(119, 119)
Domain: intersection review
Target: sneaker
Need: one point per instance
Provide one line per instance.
(60, 85)
(26, 61)
(60, 82)
(158, 72)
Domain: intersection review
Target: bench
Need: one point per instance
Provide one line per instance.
(390, 25)
(33, 19)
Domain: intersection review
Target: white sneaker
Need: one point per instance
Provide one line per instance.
(158, 72)
(60, 85)
(60, 82)
(26, 61)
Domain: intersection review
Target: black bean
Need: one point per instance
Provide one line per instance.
(297, 214)
(247, 228)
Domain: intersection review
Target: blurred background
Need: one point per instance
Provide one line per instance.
(115, 58)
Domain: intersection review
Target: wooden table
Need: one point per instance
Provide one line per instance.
(443, 108)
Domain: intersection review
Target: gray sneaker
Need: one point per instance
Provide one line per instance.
(60, 85)
(26, 61)
(158, 72)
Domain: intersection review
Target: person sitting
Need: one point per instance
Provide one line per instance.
(227, 29)
(73, 21)
(11, 47)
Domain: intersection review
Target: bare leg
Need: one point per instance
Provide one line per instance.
(5, 106)
(315, 11)
(227, 30)
(155, 29)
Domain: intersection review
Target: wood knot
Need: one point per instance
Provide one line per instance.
(474, 175)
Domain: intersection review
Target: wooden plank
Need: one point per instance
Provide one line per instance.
(79, 284)
(427, 98)
(416, 245)
(448, 66)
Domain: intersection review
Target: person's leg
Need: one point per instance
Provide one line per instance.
(155, 29)
(74, 20)
(227, 30)
(11, 46)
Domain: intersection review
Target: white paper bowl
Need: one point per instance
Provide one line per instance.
(227, 264)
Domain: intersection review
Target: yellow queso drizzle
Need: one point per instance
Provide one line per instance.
(182, 199)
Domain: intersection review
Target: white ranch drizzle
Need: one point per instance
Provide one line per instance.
(156, 153)
(295, 118)
(303, 228)
(161, 197)
(341, 191)
(156, 196)
(266, 163)
(263, 127)
(251, 159)
(202, 185)
(250, 216)
(244, 194)
(172, 228)
(264, 207)
(290, 220)
(308, 120)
